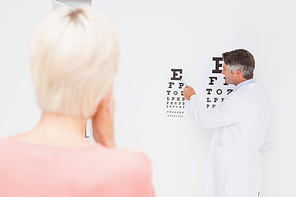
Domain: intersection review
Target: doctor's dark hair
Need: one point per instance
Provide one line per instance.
(240, 59)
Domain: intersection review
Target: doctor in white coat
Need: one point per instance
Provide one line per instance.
(244, 128)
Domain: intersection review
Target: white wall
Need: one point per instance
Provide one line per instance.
(18, 21)
(153, 34)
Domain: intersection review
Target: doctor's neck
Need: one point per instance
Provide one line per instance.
(240, 81)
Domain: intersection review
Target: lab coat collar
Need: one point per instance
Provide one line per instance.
(238, 86)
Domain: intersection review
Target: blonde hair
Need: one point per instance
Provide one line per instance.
(74, 57)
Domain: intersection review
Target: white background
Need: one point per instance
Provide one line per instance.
(153, 34)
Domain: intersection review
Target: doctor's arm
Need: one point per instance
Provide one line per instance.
(270, 136)
(223, 115)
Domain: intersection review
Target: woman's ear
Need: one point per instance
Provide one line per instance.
(103, 129)
(108, 99)
(106, 102)
(108, 94)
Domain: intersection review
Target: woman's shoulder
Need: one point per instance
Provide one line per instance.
(124, 162)
(129, 168)
(113, 167)
(93, 156)
(124, 154)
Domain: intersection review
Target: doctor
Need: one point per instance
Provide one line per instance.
(244, 128)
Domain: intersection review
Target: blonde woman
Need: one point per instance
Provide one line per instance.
(73, 61)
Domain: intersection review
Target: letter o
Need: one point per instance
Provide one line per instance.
(219, 91)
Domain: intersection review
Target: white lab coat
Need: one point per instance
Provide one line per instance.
(245, 127)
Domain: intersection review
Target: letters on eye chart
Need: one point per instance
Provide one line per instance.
(174, 101)
(215, 88)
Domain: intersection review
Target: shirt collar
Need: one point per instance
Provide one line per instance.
(238, 86)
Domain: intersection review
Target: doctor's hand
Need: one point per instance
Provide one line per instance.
(188, 91)
(103, 129)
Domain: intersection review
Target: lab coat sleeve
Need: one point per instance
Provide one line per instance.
(223, 115)
(270, 135)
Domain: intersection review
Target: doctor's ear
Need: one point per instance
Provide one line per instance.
(238, 73)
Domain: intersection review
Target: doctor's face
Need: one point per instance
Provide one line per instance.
(230, 78)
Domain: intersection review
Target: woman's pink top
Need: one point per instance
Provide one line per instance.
(39, 170)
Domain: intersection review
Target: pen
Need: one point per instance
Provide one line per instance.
(184, 82)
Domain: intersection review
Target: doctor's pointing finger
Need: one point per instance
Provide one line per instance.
(188, 91)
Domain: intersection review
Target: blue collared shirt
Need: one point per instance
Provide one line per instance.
(243, 84)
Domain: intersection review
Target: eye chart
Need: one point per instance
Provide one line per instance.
(175, 105)
(215, 89)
